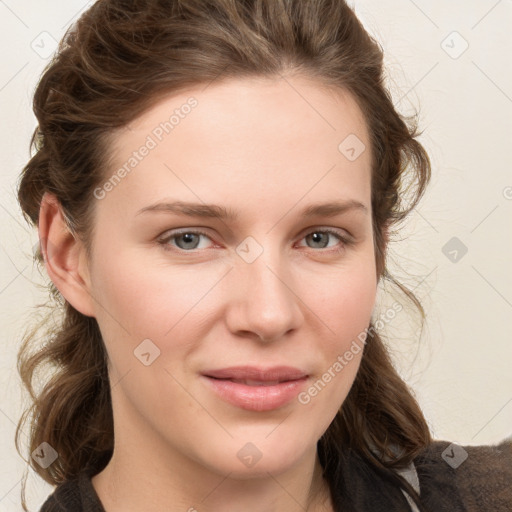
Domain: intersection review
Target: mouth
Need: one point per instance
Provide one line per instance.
(256, 389)
(257, 374)
(249, 382)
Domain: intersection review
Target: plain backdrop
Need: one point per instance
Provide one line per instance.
(450, 61)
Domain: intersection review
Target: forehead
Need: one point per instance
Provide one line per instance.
(241, 139)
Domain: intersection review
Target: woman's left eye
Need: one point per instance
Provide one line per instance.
(189, 240)
(321, 236)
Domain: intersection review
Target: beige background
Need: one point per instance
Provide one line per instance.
(460, 369)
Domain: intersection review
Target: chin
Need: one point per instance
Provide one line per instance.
(248, 458)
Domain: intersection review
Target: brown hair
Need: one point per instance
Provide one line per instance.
(112, 65)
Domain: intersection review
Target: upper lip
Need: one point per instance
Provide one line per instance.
(274, 373)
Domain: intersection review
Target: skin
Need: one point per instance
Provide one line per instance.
(265, 149)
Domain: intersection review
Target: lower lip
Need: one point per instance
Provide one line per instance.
(256, 398)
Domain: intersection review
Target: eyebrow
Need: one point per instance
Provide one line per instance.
(330, 209)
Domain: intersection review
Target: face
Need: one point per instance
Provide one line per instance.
(181, 293)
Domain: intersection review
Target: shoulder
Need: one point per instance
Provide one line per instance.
(77, 495)
(466, 478)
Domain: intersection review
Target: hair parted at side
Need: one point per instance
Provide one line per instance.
(114, 63)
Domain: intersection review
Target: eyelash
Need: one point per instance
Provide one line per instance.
(164, 242)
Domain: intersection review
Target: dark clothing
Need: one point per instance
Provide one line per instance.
(448, 481)
(74, 496)
(482, 483)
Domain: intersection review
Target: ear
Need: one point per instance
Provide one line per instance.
(64, 256)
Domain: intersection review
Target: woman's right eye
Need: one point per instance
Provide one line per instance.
(183, 240)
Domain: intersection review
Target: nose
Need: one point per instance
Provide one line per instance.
(265, 302)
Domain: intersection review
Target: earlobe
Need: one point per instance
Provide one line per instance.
(64, 255)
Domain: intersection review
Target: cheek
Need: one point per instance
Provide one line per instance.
(343, 301)
(343, 306)
(145, 300)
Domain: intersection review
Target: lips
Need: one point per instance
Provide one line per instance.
(256, 389)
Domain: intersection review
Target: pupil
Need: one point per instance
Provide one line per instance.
(187, 238)
(317, 238)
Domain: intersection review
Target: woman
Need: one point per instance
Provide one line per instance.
(190, 156)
